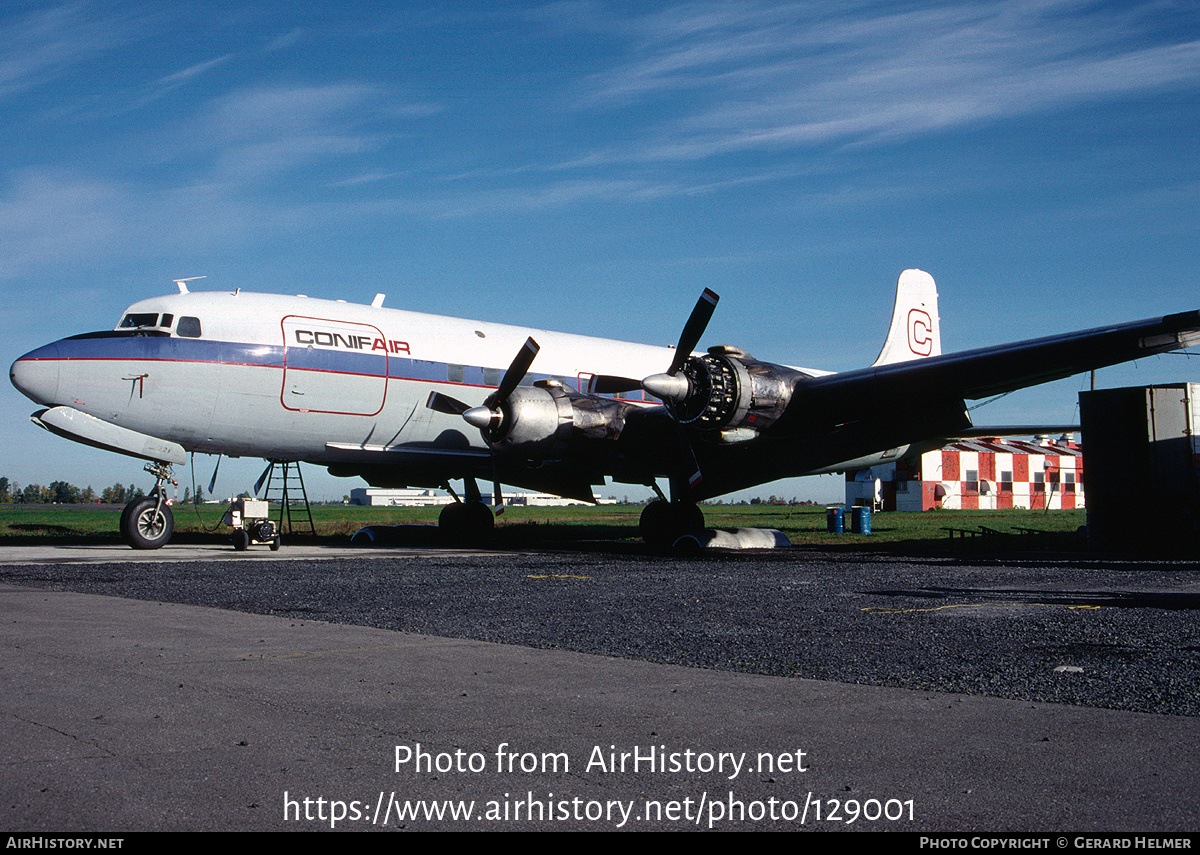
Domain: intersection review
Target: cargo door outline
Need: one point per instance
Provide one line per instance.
(332, 366)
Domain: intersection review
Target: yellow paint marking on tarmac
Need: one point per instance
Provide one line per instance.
(558, 576)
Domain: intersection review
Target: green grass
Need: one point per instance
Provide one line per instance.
(802, 525)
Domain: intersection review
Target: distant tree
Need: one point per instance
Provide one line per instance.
(199, 498)
(63, 493)
(5, 495)
(36, 494)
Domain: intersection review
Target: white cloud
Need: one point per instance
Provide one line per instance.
(258, 132)
(46, 44)
(767, 76)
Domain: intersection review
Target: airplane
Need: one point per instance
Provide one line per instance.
(403, 399)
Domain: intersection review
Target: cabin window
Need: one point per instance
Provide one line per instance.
(456, 373)
(491, 376)
(136, 320)
(188, 327)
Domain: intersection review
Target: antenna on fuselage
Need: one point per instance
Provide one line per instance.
(378, 301)
(182, 283)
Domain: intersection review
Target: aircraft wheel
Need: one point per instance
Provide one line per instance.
(466, 522)
(146, 526)
(662, 523)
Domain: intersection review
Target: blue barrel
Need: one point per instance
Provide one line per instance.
(835, 520)
(860, 520)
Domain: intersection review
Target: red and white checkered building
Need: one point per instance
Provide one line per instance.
(976, 474)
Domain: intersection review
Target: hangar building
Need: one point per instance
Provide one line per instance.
(987, 474)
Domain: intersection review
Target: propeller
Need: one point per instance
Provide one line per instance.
(672, 385)
(489, 417)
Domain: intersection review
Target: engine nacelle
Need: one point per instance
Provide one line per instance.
(731, 392)
(539, 421)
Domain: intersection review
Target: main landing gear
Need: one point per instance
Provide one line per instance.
(147, 521)
(466, 520)
(662, 522)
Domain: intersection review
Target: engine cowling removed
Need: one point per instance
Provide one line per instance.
(731, 392)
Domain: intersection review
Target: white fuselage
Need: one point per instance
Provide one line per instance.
(286, 377)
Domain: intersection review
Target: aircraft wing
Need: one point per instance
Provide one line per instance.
(791, 423)
(988, 371)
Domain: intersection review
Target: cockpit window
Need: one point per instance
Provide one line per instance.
(138, 320)
(188, 327)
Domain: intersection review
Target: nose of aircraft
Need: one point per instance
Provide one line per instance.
(36, 375)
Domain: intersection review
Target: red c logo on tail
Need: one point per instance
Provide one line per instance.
(920, 332)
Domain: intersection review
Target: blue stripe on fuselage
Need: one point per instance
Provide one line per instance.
(124, 347)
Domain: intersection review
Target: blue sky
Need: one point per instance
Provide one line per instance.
(591, 166)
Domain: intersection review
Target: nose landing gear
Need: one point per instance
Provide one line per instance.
(147, 521)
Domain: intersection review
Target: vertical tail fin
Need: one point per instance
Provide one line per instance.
(915, 330)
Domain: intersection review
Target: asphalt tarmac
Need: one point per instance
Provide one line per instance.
(196, 688)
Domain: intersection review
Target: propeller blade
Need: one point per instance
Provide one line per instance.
(445, 404)
(697, 322)
(213, 481)
(516, 371)
(497, 496)
(607, 384)
(687, 458)
(263, 477)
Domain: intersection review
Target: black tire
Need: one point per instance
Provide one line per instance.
(125, 511)
(466, 523)
(662, 523)
(145, 525)
(275, 543)
(241, 540)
